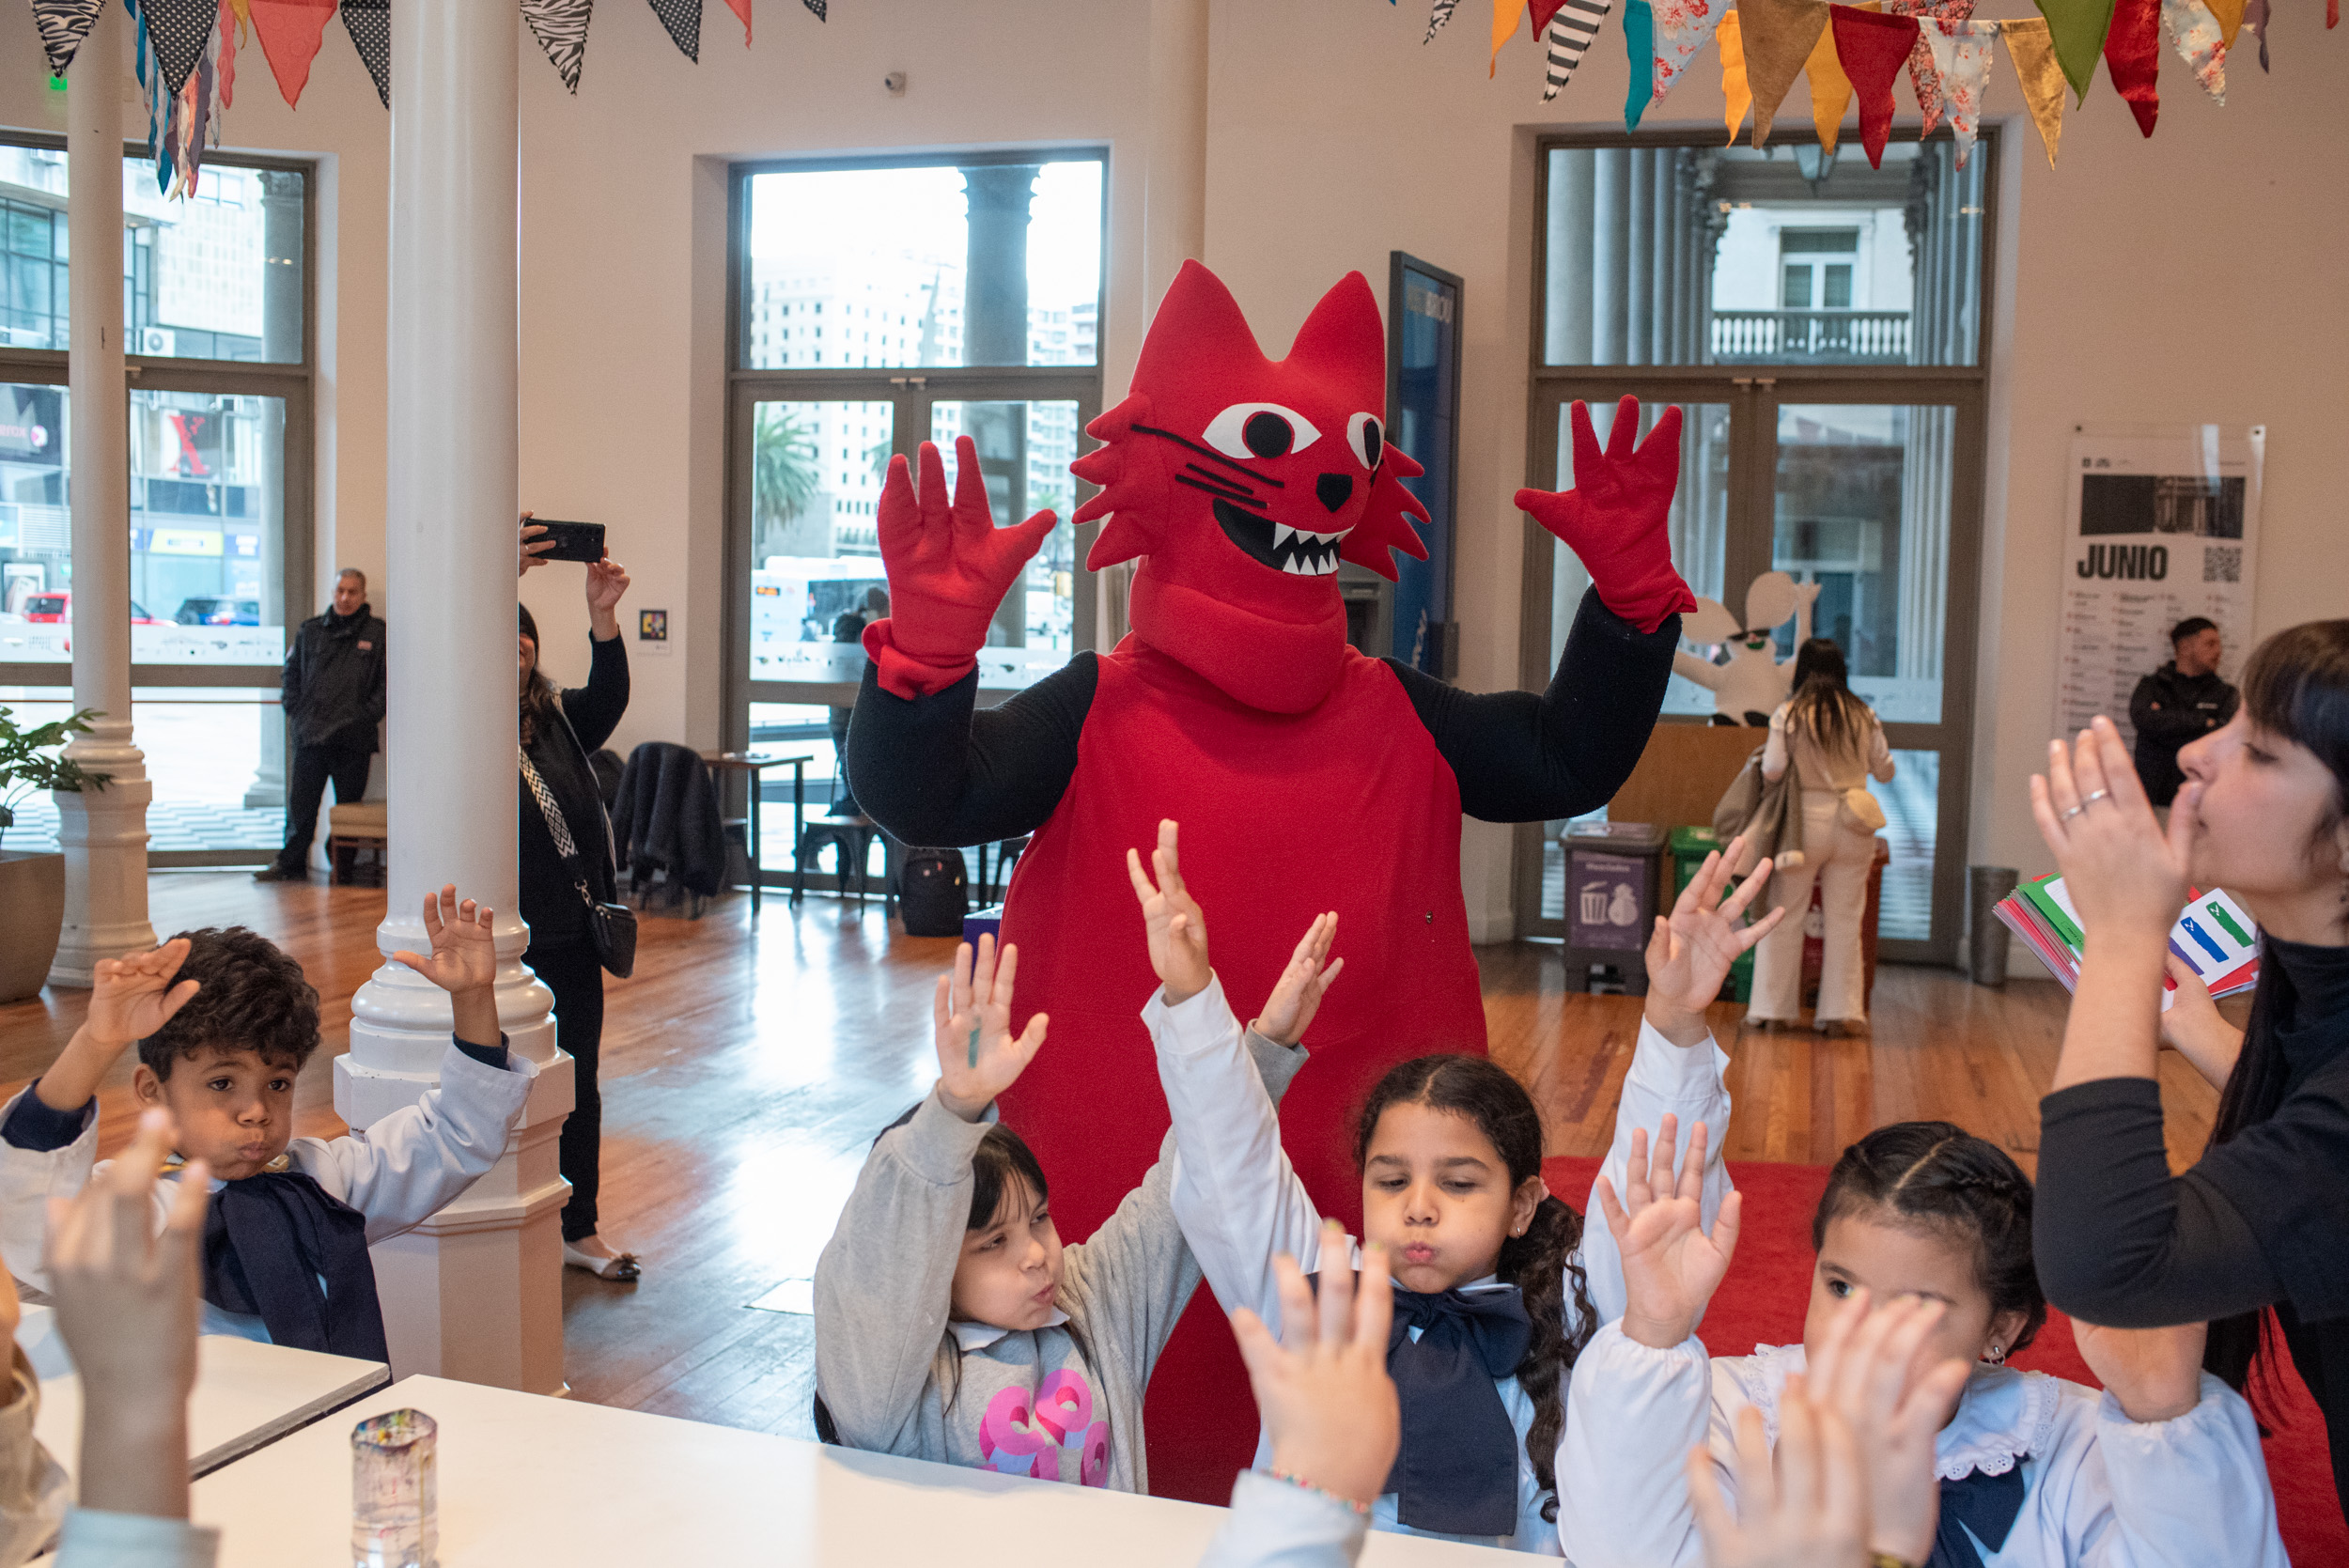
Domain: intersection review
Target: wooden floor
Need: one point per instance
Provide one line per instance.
(748, 1065)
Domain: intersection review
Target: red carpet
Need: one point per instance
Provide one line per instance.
(1763, 1301)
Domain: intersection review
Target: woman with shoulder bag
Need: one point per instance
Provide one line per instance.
(1834, 742)
(569, 882)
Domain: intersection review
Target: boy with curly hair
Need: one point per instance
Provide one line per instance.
(223, 1021)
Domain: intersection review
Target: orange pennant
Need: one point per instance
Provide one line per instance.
(2031, 44)
(1734, 93)
(1830, 90)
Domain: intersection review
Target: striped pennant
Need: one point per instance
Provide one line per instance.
(683, 18)
(1437, 18)
(561, 28)
(64, 23)
(369, 25)
(1570, 34)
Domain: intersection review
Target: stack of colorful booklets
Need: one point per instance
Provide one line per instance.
(2217, 941)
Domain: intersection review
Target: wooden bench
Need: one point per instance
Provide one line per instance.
(358, 843)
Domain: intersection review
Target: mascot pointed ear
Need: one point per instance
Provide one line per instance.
(1117, 466)
(1344, 337)
(1386, 521)
(1197, 333)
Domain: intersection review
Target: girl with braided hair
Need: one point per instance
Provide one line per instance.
(1928, 1229)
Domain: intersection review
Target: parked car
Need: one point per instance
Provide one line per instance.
(219, 612)
(54, 608)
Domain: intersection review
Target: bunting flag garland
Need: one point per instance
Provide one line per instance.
(1925, 77)
(1962, 55)
(1505, 23)
(1779, 36)
(1571, 30)
(224, 57)
(2230, 15)
(1639, 46)
(2078, 30)
(1872, 47)
(1436, 18)
(743, 9)
(2195, 33)
(1736, 95)
(817, 7)
(1681, 28)
(369, 25)
(683, 18)
(2031, 47)
(291, 32)
(64, 23)
(2133, 57)
(1830, 90)
(2255, 18)
(177, 31)
(560, 29)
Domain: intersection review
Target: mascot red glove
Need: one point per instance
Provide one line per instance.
(1617, 517)
(949, 568)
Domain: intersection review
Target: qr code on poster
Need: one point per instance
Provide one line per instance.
(2222, 563)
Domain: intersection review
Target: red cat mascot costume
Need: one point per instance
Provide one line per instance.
(1305, 776)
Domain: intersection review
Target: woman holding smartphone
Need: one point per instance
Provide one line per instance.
(2261, 1221)
(560, 731)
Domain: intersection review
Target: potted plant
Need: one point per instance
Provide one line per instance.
(32, 884)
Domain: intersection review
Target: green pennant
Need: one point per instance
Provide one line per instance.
(2078, 28)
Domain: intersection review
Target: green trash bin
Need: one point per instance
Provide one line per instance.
(1687, 847)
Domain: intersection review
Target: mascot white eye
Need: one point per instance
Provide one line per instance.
(1368, 439)
(1260, 430)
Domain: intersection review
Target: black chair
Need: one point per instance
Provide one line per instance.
(994, 879)
(851, 841)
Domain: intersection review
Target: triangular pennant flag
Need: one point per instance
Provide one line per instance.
(1872, 48)
(1683, 27)
(1436, 18)
(560, 29)
(369, 25)
(2133, 57)
(2230, 15)
(1568, 39)
(2077, 28)
(1777, 39)
(1961, 57)
(1923, 76)
(1506, 13)
(683, 18)
(225, 61)
(743, 9)
(817, 7)
(1639, 47)
(178, 30)
(64, 23)
(1736, 96)
(1830, 90)
(291, 32)
(2030, 45)
(2194, 32)
(1538, 12)
(2255, 18)
(245, 17)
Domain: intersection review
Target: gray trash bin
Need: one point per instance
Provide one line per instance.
(1985, 933)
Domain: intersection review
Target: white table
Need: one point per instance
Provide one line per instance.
(526, 1481)
(247, 1393)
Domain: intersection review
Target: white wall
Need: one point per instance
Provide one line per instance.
(2187, 278)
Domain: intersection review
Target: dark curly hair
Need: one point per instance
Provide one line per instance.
(1937, 1175)
(251, 997)
(1539, 1262)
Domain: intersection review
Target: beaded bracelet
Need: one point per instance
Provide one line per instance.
(1361, 1510)
(1886, 1560)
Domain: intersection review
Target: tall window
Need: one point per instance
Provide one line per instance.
(879, 303)
(1819, 324)
(217, 321)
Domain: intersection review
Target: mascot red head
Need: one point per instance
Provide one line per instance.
(1240, 482)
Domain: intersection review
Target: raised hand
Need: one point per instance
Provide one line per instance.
(2195, 1028)
(1328, 1403)
(535, 545)
(1671, 1265)
(1296, 995)
(2126, 876)
(2157, 1373)
(463, 962)
(1876, 1370)
(1617, 516)
(949, 565)
(132, 997)
(1805, 1506)
(978, 1057)
(1178, 929)
(1690, 954)
(607, 579)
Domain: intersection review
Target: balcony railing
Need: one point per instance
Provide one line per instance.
(1810, 336)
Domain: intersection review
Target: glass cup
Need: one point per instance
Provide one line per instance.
(394, 1505)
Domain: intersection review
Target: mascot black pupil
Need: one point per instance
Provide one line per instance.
(1268, 435)
(1371, 440)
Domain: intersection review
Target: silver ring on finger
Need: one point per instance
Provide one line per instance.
(2073, 813)
(2090, 800)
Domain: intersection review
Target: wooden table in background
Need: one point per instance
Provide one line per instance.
(756, 763)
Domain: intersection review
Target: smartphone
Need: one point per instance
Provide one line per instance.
(573, 541)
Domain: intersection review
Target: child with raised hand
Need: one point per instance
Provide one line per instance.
(1498, 1283)
(2163, 1468)
(224, 1022)
(951, 1322)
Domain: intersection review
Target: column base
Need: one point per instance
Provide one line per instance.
(103, 834)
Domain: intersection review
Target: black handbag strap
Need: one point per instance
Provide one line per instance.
(557, 827)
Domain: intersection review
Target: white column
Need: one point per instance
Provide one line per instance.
(103, 831)
(476, 1293)
(1174, 199)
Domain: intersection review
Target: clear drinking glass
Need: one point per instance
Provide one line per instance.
(394, 1513)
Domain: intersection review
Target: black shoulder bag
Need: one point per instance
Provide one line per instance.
(613, 925)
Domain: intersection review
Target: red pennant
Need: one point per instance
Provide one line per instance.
(743, 9)
(1542, 11)
(289, 31)
(1872, 47)
(2133, 57)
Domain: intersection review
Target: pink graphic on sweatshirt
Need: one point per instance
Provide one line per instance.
(1022, 1433)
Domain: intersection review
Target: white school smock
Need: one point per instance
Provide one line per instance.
(1240, 1202)
(2102, 1491)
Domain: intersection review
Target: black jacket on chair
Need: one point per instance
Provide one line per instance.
(667, 817)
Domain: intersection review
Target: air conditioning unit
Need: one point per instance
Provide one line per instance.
(156, 341)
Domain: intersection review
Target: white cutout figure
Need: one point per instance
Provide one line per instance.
(1749, 688)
